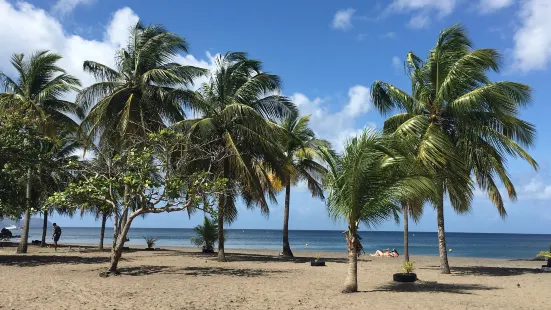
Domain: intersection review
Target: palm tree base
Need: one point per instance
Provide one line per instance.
(349, 290)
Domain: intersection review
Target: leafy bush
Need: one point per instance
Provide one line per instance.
(408, 267)
(150, 242)
(544, 254)
(206, 234)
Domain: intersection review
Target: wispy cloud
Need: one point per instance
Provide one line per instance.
(490, 6)
(343, 19)
(65, 7)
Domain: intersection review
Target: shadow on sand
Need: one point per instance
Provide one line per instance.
(488, 271)
(247, 257)
(40, 260)
(197, 271)
(433, 287)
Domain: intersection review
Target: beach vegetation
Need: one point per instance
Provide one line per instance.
(465, 124)
(206, 235)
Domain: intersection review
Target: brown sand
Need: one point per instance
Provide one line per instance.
(183, 279)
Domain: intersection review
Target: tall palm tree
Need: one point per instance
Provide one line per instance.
(39, 88)
(99, 211)
(366, 185)
(413, 209)
(143, 92)
(302, 156)
(236, 109)
(466, 125)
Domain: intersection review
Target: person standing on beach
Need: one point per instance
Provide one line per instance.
(57, 235)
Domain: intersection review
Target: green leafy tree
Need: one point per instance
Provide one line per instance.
(206, 235)
(235, 111)
(466, 125)
(39, 89)
(302, 159)
(366, 185)
(154, 176)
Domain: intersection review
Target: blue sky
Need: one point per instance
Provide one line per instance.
(328, 53)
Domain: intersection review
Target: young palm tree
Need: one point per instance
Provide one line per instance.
(366, 185)
(206, 235)
(465, 124)
(236, 110)
(302, 155)
(143, 91)
(39, 87)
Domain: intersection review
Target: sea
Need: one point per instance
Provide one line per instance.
(510, 246)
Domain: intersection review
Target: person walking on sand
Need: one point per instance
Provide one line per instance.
(57, 235)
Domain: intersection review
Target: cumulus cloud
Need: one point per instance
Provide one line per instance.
(65, 7)
(27, 29)
(535, 189)
(337, 126)
(343, 19)
(489, 6)
(532, 50)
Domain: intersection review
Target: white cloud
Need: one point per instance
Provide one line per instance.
(389, 35)
(489, 6)
(396, 63)
(27, 29)
(535, 189)
(423, 10)
(338, 126)
(64, 7)
(343, 19)
(419, 21)
(532, 49)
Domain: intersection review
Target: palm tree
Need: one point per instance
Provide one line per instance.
(365, 185)
(413, 209)
(206, 235)
(302, 155)
(143, 91)
(465, 124)
(236, 110)
(39, 88)
(99, 211)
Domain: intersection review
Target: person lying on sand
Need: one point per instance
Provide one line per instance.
(386, 253)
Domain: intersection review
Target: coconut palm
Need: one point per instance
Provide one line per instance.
(99, 211)
(236, 109)
(465, 124)
(302, 156)
(143, 91)
(365, 185)
(39, 88)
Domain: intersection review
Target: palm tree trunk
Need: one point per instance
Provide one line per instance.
(286, 246)
(221, 254)
(22, 248)
(351, 283)
(406, 231)
(444, 266)
(102, 232)
(44, 229)
(221, 210)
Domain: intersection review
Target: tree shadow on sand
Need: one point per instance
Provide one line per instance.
(197, 271)
(247, 257)
(40, 260)
(433, 287)
(489, 271)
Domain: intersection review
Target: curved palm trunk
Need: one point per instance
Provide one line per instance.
(351, 282)
(44, 230)
(286, 246)
(405, 209)
(102, 232)
(22, 248)
(444, 266)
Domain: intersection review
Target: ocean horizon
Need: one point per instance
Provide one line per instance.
(462, 244)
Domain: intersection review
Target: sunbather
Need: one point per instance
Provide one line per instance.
(386, 253)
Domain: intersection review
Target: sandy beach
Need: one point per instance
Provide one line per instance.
(180, 278)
